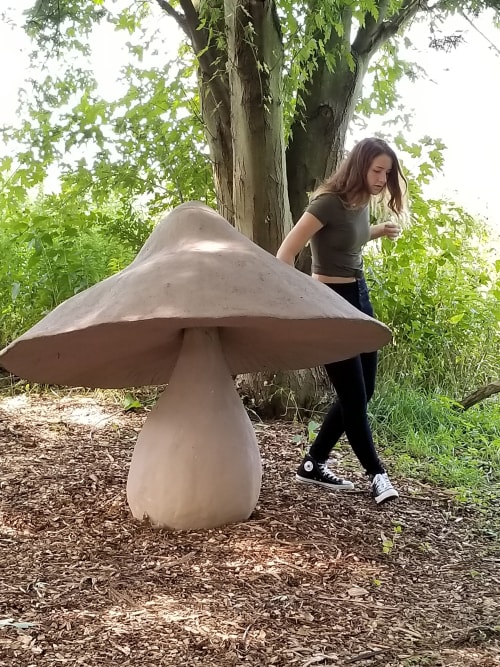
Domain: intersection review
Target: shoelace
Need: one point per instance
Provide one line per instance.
(381, 482)
(325, 470)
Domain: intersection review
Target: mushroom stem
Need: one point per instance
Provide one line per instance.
(196, 463)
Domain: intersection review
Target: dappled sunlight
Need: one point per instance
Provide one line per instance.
(190, 615)
(12, 404)
(83, 411)
(208, 246)
(88, 417)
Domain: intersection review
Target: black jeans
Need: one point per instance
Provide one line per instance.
(354, 383)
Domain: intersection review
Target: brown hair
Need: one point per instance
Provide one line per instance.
(349, 181)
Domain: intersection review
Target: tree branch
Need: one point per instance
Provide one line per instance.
(181, 20)
(191, 14)
(492, 45)
(377, 31)
(207, 55)
(480, 394)
(189, 22)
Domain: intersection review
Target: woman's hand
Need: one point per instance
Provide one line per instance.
(392, 230)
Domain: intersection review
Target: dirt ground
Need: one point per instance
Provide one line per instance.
(313, 578)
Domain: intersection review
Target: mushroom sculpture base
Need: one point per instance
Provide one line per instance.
(196, 463)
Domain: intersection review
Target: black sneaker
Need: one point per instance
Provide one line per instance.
(382, 488)
(313, 472)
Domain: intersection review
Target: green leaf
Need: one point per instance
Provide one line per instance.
(14, 292)
(456, 318)
(131, 403)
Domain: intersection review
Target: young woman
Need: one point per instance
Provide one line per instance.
(337, 224)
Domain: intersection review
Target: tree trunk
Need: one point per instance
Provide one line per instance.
(218, 134)
(213, 83)
(295, 395)
(255, 57)
(331, 101)
(318, 133)
(330, 116)
(310, 159)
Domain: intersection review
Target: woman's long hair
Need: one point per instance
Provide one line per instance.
(349, 182)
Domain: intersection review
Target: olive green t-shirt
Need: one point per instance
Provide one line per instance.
(336, 247)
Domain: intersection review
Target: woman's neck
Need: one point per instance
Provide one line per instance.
(356, 205)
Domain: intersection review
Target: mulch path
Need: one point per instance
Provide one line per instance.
(313, 578)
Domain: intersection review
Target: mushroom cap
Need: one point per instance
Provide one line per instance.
(195, 270)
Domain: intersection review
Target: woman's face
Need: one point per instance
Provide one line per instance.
(378, 172)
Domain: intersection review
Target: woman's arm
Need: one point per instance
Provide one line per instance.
(297, 238)
(390, 229)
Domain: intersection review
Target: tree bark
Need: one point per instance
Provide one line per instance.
(480, 394)
(218, 134)
(213, 83)
(255, 57)
(318, 133)
(310, 159)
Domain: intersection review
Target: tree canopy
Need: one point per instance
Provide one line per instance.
(250, 114)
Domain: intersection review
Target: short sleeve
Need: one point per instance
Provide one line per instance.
(321, 207)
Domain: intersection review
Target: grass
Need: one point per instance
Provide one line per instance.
(429, 438)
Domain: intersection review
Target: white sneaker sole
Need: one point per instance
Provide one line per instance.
(390, 494)
(349, 486)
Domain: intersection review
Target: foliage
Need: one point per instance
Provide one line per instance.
(438, 288)
(145, 146)
(55, 250)
(305, 441)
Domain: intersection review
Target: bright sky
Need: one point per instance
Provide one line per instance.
(458, 103)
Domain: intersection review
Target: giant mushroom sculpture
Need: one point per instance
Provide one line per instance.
(199, 303)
